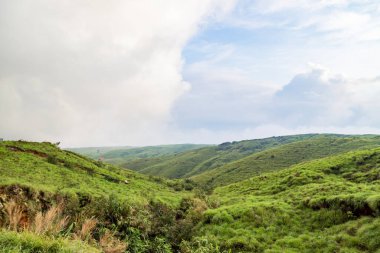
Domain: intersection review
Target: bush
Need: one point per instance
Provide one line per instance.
(52, 159)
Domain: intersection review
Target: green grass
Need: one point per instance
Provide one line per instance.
(13, 242)
(97, 152)
(326, 205)
(43, 166)
(304, 204)
(283, 156)
(122, 155)
(193, 162)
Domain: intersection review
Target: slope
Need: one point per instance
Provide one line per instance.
(284, 156)
(96, 152)
(194, 162)
(326, 205)
(43, 166)
(52, 200)
(121, 155)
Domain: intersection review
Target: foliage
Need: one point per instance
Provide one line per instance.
(331, 204)
(122, 155)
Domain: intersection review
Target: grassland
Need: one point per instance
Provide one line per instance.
(97, 152)
(122, 155)
(190, 163)
(283, 156)
(53, 200)
(43, 166)
(326, 205)
(124, 206)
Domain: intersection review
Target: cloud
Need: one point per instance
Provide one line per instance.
(336, 21)
(317, 100)
(94, 72)
(320, 98)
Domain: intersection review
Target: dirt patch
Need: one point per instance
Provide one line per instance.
(30, 151)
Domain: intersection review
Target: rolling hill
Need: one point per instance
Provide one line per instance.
(196, 161)
(121, 155)
(231, 162)
(83, 203)
(283, 156)
(52, 200)
(326, 205)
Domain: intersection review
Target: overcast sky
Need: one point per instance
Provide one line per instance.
(91, 73)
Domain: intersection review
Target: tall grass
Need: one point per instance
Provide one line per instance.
(110, 244)
(88, 226)
(50, 222)
(14, 214)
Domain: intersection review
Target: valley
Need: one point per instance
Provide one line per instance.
(300, 193)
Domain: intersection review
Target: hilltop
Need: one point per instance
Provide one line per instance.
(45, 167)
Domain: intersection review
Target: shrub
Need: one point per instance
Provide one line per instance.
(52, 159)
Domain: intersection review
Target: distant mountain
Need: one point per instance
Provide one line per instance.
(196, 162)
(120, 155)
(283, 156)
(96, 152)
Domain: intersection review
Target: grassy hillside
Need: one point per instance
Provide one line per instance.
(43, 166)
(96, 152)
(194, 162)
(284, 156)
(57, 201)
(60, 201)
(327, 205)
(121, 155)
(11, 241)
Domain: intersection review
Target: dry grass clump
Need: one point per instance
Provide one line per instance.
(14, 214)
(50, 222)
(110, 244)
(88, 226)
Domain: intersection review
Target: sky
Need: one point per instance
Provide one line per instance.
(106, 73)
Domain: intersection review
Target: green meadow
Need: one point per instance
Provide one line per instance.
(305, 193)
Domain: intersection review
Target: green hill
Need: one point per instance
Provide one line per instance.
(234, 161)
(43, 166)
(40, 182)
(53, 200)
(283, 156)
(121, 155)
(194, 162)
(96, 152)
(326, 205)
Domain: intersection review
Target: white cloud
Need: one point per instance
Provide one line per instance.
(94, 72)
(318, 100)
(342, 20)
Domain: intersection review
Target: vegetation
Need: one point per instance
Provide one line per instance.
(58, 201)
(283, 156)
(121, 155)
(190, 163)
(97, 152)
(48, 192)
(327, 205)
